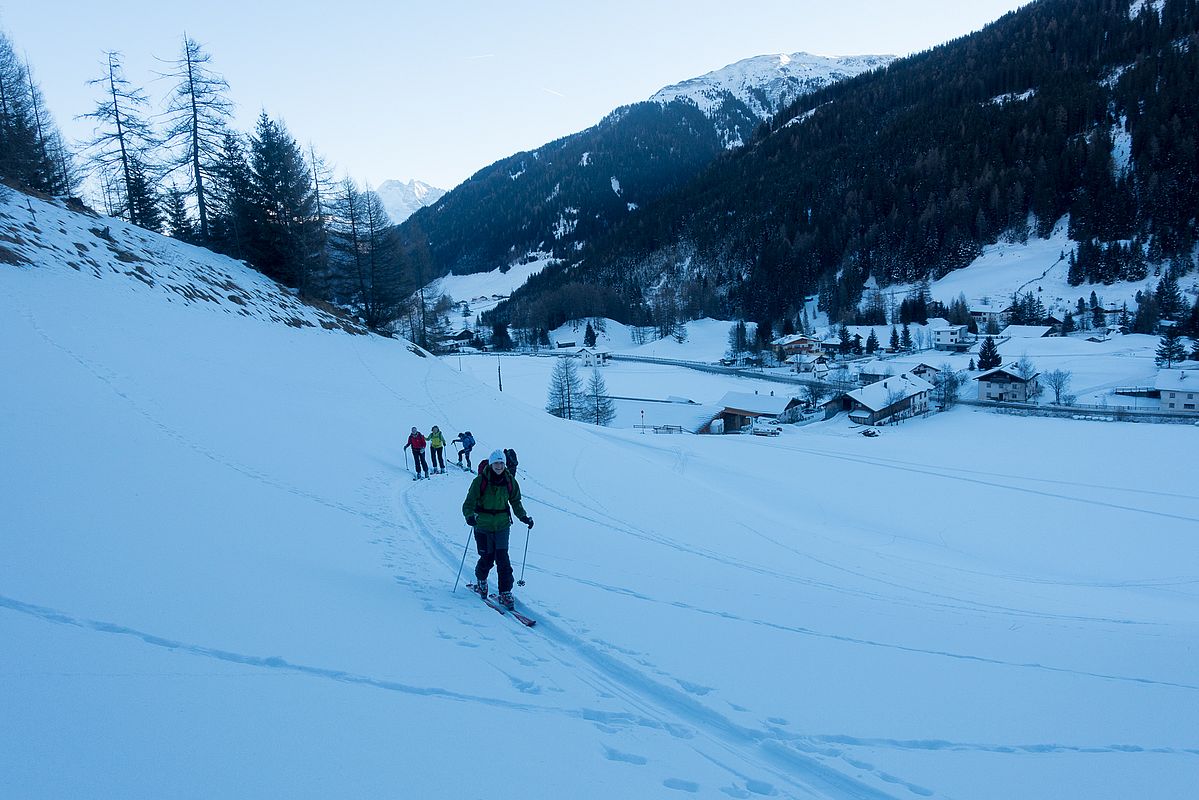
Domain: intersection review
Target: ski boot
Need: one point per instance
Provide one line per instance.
(506, 600)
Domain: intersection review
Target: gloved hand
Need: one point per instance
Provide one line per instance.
(471, 520)
(528, 521)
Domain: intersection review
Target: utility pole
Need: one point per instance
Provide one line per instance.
(499, 373)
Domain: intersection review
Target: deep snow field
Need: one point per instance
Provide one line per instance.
(217, 579)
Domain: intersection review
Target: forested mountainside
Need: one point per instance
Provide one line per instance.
(1079, 107)
(573, 190)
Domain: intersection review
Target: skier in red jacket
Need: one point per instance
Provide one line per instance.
(416, 441)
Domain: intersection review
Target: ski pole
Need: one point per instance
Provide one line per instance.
(405, 458)
(521, 582)
(460, 566)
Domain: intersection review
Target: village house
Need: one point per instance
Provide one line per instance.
(893, 398)
(950, 337)
(797, 344)
(742, 409)
(565, 345)
(1179, 389)
(593, 358)
(926, 371)
(985, 315)
(1005, 384)
(813, 363)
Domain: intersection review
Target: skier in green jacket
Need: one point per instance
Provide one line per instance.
(486, 508)
(436, 449)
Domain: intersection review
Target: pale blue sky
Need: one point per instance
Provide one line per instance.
(438, 90)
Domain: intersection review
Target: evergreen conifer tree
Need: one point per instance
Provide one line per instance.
(143, 201)
(894, 339)
(232, 217)
(988, 355)
(500, 338)
(845, 342)
(284, 237)
(1170, 349)
(589, 336)
(905, 340)
(178, 224)
(871, 343)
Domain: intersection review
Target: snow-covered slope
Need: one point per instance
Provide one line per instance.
(403, 199)
(218, 580)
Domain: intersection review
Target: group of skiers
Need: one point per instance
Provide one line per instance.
(491, 502)
(436, 444)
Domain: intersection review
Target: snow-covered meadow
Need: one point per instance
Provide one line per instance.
(217, 578)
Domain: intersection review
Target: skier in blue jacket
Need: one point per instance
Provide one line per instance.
(468, 443)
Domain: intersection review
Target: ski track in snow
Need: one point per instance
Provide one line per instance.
(785, 753)
(671, 710)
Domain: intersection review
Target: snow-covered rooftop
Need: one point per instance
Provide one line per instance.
(765, 404)
(1177, 380)
(1026, 331)
(889, 391)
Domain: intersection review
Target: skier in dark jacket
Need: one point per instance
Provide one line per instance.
(493, 497)
(416, 441)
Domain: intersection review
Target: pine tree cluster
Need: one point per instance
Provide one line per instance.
(186, 172)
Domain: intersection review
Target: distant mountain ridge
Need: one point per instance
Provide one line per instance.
(559, 196)
(402, 199)
(1077, 110)
(765, 84)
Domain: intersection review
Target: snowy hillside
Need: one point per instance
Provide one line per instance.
(402, 199)
(483, 291)
(1039, 266)
(767, 83)
(217, 578)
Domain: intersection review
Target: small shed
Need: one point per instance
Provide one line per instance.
(741, 409)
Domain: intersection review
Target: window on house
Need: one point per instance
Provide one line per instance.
(1189, 406)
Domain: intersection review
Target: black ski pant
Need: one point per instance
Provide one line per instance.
(493, 549)
(467, 454)
(418, 456)
(438, 458)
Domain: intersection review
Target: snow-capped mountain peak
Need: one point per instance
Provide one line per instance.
(403, 199)
(767, 83)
